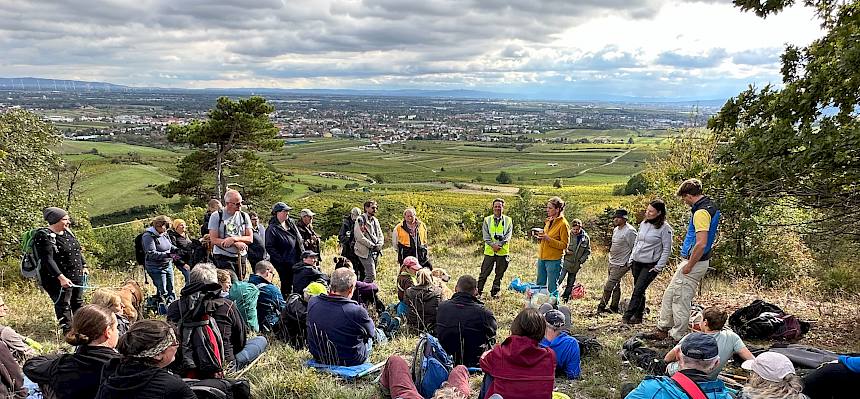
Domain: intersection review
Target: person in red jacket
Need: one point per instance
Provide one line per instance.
(519, 367)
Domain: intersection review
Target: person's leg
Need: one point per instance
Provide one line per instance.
(396, 379)
(159, 281)
(684, 300)
(635, 269)
(171, 293)
(486, 268)
(618, 273)
(541, 272)
(252, 350)
(646, 277)
(186, 274)
(62, 308)
(369, 269)
(459, 379)
(76, 299)
(553, 268)
(608, 286)
(501, 268)
(666, 319)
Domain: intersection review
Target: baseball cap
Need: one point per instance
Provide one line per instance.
(700, 346)
(306, 212)
(412, 263)
(280, 206)
(308, 254)
(620, 213)
(771, 366)
(554, 318)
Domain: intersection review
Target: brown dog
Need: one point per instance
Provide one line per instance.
(132, 298)
(440, 278)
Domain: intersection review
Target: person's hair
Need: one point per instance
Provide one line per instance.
(691, 187)
(449, 392)
(660, 206)
(498, 200)
(89, 323)
(703, 365)
(177, 222)
(107, 298)
(160, 221)
(341, 262)
(368, 203)
(716, 318)
(214, 205)
(424, 277)
(143, 335)
(557, 203)
(253, 214)
(467, 284)
(230, 194)
(791, 386)
(355, 212)
(342, 280)
(262, 266)
(224, 276)
(410, 210)
(203, 273)
(529, 323)
(576, 222)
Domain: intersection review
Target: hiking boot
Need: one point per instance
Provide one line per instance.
(393, 327)
(656, 335)
(601, 309)
(634, 320)
(494, 294)
(614, 310)
(384, 321)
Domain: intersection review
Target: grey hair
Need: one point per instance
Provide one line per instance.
(342, 280)
(410, 210)
(703, 365)
(230, 193)
(204, 273)
(354, 212)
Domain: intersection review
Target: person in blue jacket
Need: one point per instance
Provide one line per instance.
(566, 348)
(160, 254)
(699, 356)
(270, 303)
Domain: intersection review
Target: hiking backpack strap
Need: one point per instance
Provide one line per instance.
(688, 386)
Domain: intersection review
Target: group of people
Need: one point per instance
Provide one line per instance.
(208, 328)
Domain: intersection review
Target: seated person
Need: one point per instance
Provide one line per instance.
(464, 327)
(110, 299)
(772, 376)
(519, 368)
(147, 347)
(307, 271)
(699, 356)
(11, 376)
(77, 375)
(396, 382)
(244, 295)
(294, 319)
(713, 323)
(16, 343)
(365, 293)
(839, 379)
(340, 332)
(406, 279)
(270, 302)
(566, 348)
(204, 292)
(422, 302)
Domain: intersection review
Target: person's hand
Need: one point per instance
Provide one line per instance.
(85, 271)
(186, 267)
(654, 270)
(687, 268)
(228, 242)
(496, 247)
(241, 246)
(175, 257)
(64, 281)
(542, 236)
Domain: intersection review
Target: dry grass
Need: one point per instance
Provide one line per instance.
(280, 372)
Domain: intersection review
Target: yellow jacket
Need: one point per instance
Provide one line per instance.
(557, 231)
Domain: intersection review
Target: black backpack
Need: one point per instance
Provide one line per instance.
(220, 388)
(648, 359)
(197, 351)
(139, 252)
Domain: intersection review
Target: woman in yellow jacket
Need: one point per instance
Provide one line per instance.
(553, 240)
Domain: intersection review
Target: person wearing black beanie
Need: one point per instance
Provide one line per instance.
(61, 265)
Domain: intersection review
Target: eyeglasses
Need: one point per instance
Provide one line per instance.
(236, 203)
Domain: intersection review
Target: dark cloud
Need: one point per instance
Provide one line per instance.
(710, 59)
(760, 56)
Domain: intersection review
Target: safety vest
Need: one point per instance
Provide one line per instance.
(490, 221)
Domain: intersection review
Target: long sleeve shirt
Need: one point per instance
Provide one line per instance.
(623, 239)
(653, 244)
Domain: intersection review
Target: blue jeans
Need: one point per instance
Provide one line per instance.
(186, 274)
(547, 274)
(252, 350)
(162, 279)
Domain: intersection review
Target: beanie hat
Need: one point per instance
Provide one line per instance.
(53, 214)
(315, 288)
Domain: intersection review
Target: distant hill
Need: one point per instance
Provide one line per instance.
(40, 84)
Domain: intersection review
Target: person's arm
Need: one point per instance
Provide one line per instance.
(45, 251)
(359, 235)
(745, 354)
(585, 244)
(394, 242)
(15, 342)
(151, 249)
(269, 244)
(492, 327)
(342, 238)
(572, 368)
(631, 237)
(39, 369)
(564, 237)
(672, 355)
(485, 232)
(666, 240)
(381, 236)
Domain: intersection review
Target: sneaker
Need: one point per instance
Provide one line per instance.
(384, 321)
(393, 328)
(656, 335)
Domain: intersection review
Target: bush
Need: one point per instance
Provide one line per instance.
(504, 178)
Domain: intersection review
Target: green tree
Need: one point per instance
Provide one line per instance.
(27, 171)
(557, 183)
(504, 178)
(232, 129)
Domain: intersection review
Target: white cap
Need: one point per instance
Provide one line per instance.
(306, 212)
(771, 366)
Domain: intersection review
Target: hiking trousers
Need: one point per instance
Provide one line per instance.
(612, 288)
(642, 278)
(369, 264)
(67, 301)
(500, 264)
(396, 379)
(678, 298)
(547, 274)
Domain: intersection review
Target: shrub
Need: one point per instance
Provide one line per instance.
(504, 178)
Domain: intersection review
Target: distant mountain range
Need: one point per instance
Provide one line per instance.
(42, 84)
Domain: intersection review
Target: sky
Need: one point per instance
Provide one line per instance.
(551, 49)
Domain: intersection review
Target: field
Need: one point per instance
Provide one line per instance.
(280, 373)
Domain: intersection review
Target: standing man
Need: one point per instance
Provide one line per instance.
(623, 239)
(368, 240)
(310, 239)
(230, 233)
(695, 260)
(497, 229)
(347, 241)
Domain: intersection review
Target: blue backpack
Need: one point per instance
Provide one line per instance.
(430, 365)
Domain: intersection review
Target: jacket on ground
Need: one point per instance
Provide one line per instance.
(270, 303)
(422, 303)
(135, 379)
(520, 369)
(338, 330)
(665, 388)
(566, 350)
(73, 375)
(465, 328)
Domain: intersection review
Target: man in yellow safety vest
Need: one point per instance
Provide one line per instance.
(497, 229)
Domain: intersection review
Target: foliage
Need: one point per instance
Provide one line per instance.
(26, 165)
(557, 183)
(526, 212)
(232, 125)
(504, 178)
(637, 185)
(327, 223)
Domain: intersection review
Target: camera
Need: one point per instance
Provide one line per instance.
(537, 230)
(498, 237)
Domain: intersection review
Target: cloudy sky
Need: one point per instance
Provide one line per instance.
(558, 49)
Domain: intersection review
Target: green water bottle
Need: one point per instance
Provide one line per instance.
(33, 344)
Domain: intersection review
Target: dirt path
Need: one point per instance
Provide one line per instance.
(611, 161)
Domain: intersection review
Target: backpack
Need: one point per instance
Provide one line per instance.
(648, 359)
(245, 295)
(30, 262)
(762, 320)
(430, 365)
(201, 345)
(139, 252)
(588, 346)
(219, 388)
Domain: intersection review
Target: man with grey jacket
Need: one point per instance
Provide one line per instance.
(575, 255)
(623, 238)
(368, 240)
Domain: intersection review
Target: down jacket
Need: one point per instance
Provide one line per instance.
(422, 302)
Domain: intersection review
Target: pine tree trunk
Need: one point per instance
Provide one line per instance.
(219, 170)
